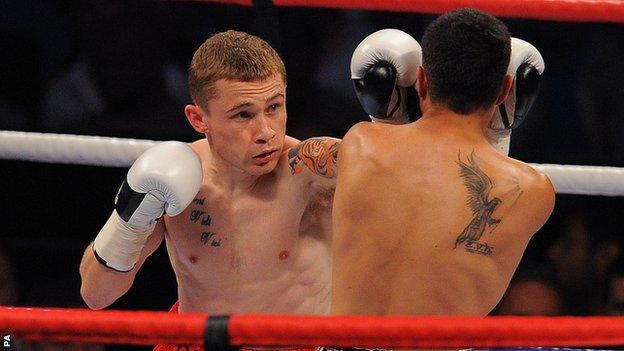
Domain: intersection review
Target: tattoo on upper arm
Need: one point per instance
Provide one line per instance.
(479, 186)
(319, 155)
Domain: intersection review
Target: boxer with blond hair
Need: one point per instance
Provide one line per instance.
(244, 212)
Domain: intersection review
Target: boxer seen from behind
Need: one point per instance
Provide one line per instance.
(433, 217)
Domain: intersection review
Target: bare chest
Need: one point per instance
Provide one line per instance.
(248, 238)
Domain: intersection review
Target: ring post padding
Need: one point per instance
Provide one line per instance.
(216, 335)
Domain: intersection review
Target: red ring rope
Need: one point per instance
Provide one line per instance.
(148, 328)
(554, 10)
(426, 332)
(120, 327)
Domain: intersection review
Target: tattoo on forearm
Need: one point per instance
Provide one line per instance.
(198, 201)
(479, 186)
(319, 155)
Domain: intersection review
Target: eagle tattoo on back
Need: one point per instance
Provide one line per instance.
(479, 186)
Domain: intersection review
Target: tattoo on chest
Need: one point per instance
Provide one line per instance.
(210, 238)
(204, 219)
(201, 217)
(482, 204)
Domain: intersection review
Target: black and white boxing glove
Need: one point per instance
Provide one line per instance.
(526, 65)
(164, 179)
(383, 70)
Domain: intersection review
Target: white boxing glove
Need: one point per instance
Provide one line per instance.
(165, 178)
(526, 65)
(383, 70)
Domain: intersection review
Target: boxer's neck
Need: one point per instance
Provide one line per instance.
(442, 117)
(231, 178)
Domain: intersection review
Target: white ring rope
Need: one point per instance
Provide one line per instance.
(71, 149)
(585, 180)
(118, 152)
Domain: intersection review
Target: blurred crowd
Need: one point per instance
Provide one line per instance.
(119, 68)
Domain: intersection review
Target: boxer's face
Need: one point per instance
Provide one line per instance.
(246, 123)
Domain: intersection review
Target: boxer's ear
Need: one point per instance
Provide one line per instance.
(421, 82)
(197, 118)
(507, 84)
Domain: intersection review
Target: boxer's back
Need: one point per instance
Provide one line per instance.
(437, 221)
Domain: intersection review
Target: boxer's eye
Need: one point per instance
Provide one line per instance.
(274, 107)
(243, 115)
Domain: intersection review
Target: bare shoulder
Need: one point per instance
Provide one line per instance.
(362, 131)
(533, 178)
(364, 139)
(537, 189)
(290, 142)
(199, 146)
(364, 153)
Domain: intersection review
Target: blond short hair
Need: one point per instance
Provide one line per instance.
(231, 55)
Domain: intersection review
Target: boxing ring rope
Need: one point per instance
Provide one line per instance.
(550, 10)
(221, 333)
(71, 149)
(117, 152)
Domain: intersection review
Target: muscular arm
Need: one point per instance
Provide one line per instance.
(101, 286)
(316, 158)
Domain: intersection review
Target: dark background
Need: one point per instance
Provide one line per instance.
(116, 68)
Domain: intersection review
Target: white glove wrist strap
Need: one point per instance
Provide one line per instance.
(118, 245)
